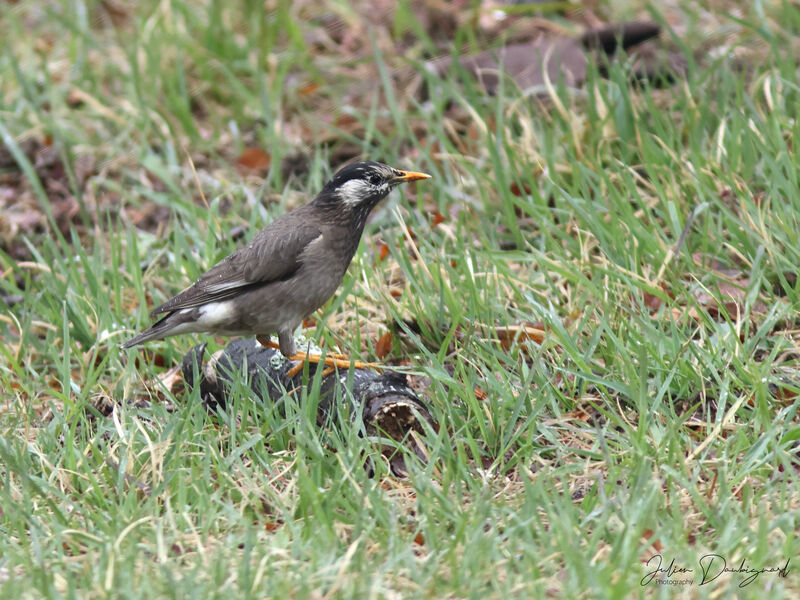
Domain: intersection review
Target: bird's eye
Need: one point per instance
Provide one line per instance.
(375, 179)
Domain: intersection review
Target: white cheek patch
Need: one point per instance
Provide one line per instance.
(355, 191)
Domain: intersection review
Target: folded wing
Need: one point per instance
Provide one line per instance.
(275, 254)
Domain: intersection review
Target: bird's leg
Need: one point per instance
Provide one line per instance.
(267, 342)
(287, 347)
(337, 355)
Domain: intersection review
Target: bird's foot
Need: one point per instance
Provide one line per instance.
(332, 361)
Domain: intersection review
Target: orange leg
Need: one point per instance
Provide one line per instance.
(267, 342)
(332, 359)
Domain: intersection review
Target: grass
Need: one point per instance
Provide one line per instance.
(658, 415)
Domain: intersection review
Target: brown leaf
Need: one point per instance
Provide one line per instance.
(516, 334)
(384, 345)
(254, 158)
(652, 302)
(308, 89)
(383, 251)
(518, 191)
(647, 535)
(157, 359)
(150, 358)
(785, 394)
(347, 123)
(272, 525)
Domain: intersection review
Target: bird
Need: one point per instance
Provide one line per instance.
(287, 271)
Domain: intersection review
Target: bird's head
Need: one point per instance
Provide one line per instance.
(358, 187)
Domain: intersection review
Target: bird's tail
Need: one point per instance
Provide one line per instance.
(158, 331)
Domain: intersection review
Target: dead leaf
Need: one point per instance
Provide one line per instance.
(517, 334)
(653, 302)
(785, 395)
(254, 158)
(272, 525)
(437, 219)
(729, 299)
(347, 122)
(384, 345)
(383, 251)
(647, 535)
(518, 190)
(172, 380)
(308, 89)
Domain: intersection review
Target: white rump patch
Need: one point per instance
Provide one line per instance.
(215, 313)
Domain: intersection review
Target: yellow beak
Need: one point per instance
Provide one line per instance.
(410, 176)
